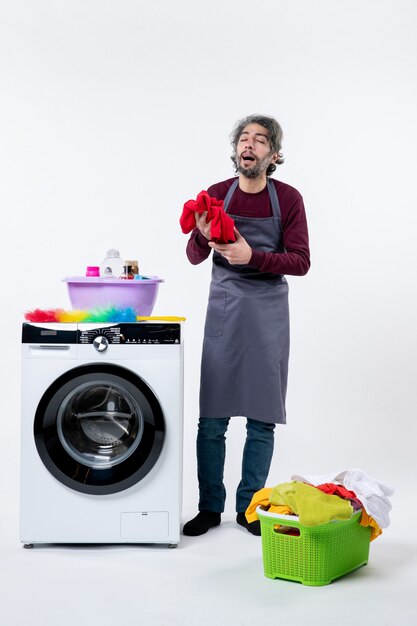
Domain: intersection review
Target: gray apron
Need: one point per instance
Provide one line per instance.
(246, 336)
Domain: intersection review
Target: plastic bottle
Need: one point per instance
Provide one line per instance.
(112, 261)
(134, 264)
(127, 273)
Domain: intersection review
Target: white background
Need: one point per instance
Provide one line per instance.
(113, 114)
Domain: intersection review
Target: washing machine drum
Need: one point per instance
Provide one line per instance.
(99, 429)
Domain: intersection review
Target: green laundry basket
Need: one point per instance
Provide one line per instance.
(318, 555)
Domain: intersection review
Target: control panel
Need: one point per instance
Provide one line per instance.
(140, 333)
(133, 334)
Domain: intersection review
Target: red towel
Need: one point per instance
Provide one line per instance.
(338, 490)
(222, 226)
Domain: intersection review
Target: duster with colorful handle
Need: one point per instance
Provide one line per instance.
(97, 315)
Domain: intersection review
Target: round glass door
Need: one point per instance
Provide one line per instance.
(100, 424)
(99, 429)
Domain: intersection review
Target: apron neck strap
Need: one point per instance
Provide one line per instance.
(276, 211)
(229, 194)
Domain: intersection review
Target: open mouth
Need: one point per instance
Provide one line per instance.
(247, 157)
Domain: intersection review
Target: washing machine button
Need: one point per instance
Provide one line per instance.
(100, 344)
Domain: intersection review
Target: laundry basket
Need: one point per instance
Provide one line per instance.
(318, 554)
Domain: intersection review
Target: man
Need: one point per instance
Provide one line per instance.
(246, 336)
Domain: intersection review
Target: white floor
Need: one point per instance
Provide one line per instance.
(215, 579)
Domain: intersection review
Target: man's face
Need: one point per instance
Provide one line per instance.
(253, 151)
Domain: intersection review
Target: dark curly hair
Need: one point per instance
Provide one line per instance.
(274, 137)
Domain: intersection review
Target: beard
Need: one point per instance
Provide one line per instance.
(256, 169)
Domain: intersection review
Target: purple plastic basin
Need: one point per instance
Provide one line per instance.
(89, 292)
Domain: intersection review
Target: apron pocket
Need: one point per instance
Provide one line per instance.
(215, 314)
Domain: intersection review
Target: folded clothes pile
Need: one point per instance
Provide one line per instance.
(222, 229)
(328, 497)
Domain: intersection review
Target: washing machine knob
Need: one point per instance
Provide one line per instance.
(100, 344)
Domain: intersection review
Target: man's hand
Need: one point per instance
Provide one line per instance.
(237, 253)
(203, 227)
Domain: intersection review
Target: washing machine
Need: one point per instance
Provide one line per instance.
(101, 433)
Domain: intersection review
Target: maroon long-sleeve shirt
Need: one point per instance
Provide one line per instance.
(295, 260)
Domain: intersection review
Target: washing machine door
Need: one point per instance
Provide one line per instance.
(99, 429)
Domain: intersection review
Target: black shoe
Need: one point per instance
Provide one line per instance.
(254, 527)
(201, 523)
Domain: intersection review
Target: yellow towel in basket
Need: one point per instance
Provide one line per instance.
(367, 520)
(312, 506)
